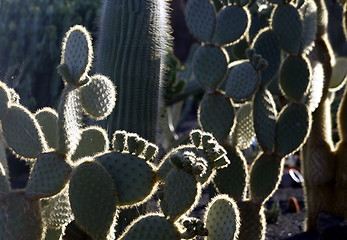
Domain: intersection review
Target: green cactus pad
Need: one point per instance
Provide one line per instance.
(232, 23)
(48, 177)
(77, 54)
(308, 11)
(93, 199)
(150, 227)
(133, 177)
(232, 180)
(69, 121)
(244, 132)
(20, 218)
(339, 74)
(93, 141)
(222, 219)
(264, 119)
(295, 77)
(48, 121)
(119, 139)
(253, 222)
(267, 44)
(201, 19)
(4, 99)
(22, 132)
(292, 128)
(286, 22)
(216, 115)
(242, 81)
(151, 151)
(266, 172)
(98, 97)
(210, 65)
(58, 211)
(181, 193)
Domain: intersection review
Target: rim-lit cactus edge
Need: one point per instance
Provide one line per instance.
(264, 80)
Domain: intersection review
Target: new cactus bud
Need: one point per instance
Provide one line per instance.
(119, 141)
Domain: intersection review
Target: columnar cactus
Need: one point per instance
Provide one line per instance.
(133, 40)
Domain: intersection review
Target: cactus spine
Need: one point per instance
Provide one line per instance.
(133, 39)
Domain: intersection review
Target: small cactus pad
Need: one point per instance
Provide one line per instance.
(232, 23)
(267, 44)
(264, 119)
(201, 19)
(93, 199)
(119, 139)
(295, 77)
(339, 74)
(58, 211)
(93, 141)
(292, 128)
(286, 22)
(232, 180)
(20, 218)
(181, 193)
(150, 227)
(133, 177)
(70, 120)
(77, 54)
(244, 133)
(48, 177)
(216, 115)
(48, 121)
(308, 11)
(210, 65)
(22, 132)
(222, 219)
(98, 97)
(242, 81)
(4, 99)
(266, 172)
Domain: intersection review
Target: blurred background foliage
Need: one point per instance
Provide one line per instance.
(30, 36)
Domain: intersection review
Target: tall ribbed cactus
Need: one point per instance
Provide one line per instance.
(133, 39)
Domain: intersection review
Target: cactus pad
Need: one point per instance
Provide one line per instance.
(151, 227)
(4, 99)
(286, 22)
(70, 120)
(222, 219)
(77, 54)
(339, 74)
(20, 218)
(181, 193)
(295, 77)
(232, 180)
(22, 132)
(244, 133)
(93, 141)
(201, 19)
(216, 115)
(210, 66)
(48, 177)
(264, 119)
(98, 97)
(93, 199)
(266, 173)
(308, 11)
(267, 44)
(58, 211)
(242, 81)
(292, 128)
(232, 23)
(133, 177)
(48, 120)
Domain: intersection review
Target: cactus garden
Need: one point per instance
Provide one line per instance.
(170, 120)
